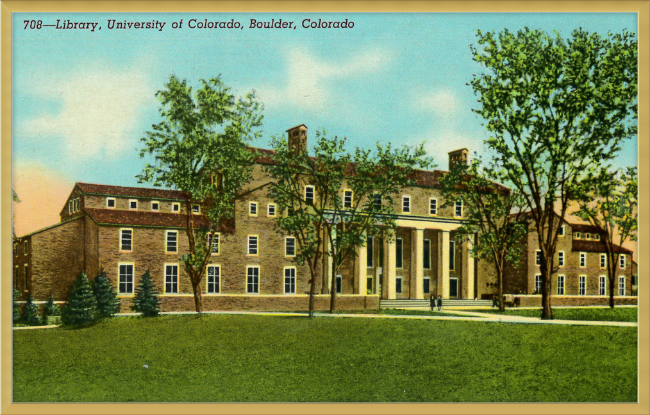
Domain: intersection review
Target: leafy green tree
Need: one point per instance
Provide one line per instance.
(107, 302)
(30, 313)
(81, 307)
(494, 227)
(145, 300)
(51, 309)
(553, 108)
(200, 148)
(16, 306)
(328, 218)
(609, 200)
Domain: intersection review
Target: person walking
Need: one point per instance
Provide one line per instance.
(439, 302)
(432, 302)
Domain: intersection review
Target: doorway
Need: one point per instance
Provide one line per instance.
(453, 287)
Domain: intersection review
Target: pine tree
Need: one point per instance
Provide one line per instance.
(30, 313)
(82, 306)
(50, 309)
(17, 314)
(145, 301)
(107, 302)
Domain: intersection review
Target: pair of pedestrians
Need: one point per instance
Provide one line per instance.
(436, 302)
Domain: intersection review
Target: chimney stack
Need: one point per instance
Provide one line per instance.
(458, 156)
(297, 137)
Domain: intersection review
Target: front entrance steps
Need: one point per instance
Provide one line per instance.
(426, 303)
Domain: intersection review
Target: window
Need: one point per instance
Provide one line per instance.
(583, 259)
(399, 253)
(196, 209)
(176, 207)
(561, 233)
(253, 281)
(347, 199)
(15, 249)
(214, 273)
(398, 285)
(560, 284)
(406, 204)
(622, 261)
(427, 254)
(252, 245)
(339, 284)
(290, 280)
(270, 212)
(601, 285)
(309, 194)
(538, 283)
(433, 206)
(70, 206)
(290, 246)
(215, 243)
(583, 285)
(597, 237)
(377, 201)
(126, 240)
(252, 209)
(426, 285)
(110, 202)
(587, 236)
(133, 204)
(458, 208)
(155, 205)
(25, 248)
(577, 234)
(621, 284)
(171, 241)
(560, 259)
(171, 279)
(538, 257)
(125, 285)
(77, 205)
(603, 260)
(369, 285)
(452, 256)
(370, 251)
(25, 277)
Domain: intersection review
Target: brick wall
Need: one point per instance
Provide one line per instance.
(536, 300)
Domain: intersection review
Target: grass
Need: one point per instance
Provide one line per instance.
(248, 358)
(628, 314)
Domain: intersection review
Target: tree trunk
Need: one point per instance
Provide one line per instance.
(502, 304)
(333, 286)
(547, 311)
(198, 297)
(611, 273)
(312, 290)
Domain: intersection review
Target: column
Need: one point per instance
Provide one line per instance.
(417, 264)
(443, 264)
(390, 267)
(362, 264)
(468, 270)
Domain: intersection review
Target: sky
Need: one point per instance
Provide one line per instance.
(82, 99)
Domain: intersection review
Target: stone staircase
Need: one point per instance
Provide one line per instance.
(425, 303)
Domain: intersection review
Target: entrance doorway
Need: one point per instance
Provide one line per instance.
(453, 287)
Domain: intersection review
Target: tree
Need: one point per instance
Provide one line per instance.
(107, 302)
(16, 306)
(145, 300)
(51, 309)
(30, 313)
(81, 307)
(553, 108)
(200, 148)
(608, 200)
(329, 215)
(494, 227)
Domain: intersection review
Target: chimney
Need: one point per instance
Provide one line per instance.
(297, 137)
(458, 156)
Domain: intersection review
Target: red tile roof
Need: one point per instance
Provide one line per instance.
(144, 218)
(595, 246)
(154, 193)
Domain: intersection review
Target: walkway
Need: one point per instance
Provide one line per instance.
(467, 316)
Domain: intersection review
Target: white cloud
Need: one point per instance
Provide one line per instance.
(99, 109)
(309, 78)
(442, 102)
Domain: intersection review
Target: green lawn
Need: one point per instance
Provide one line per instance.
(247, 358)
(591, 314)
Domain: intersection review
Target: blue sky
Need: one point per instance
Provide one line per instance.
(82, 100)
